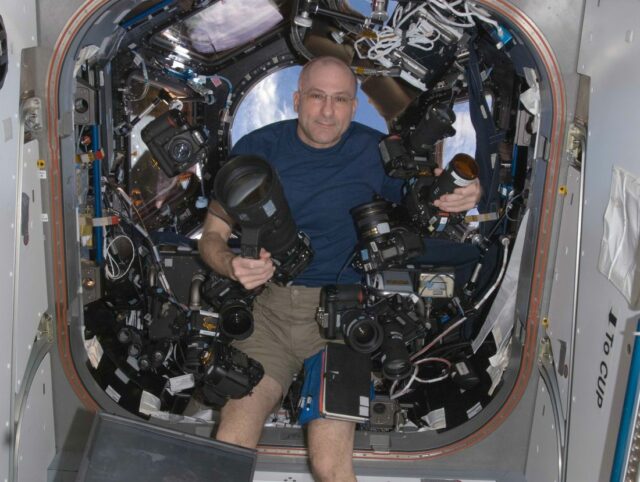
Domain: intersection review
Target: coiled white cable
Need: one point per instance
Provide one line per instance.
(112, 267)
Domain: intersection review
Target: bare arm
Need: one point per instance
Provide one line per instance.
(216, 253)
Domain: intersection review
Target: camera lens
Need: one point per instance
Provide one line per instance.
(125, 335)
(180, 150)
(372, 219)
(395, 357)
(361, 331)
(134, 349)
(249, 190)
(236, 320)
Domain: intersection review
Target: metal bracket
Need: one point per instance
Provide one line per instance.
(45, 328)
(32, 115)
(576, 144)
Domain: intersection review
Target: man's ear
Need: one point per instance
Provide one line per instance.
(354, 106)
(296, 101)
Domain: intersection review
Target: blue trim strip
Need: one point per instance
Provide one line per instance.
(627, 420)
(146, 13)
(97, 192)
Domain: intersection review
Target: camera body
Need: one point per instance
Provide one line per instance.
(291, 262)
(227, 373)
(233, 304)
(461, 171)
(410, 150)
(342, 314)
(367, 322)
(335, 300)
(249, 190)
(174, 143)
(385, 239)
(430, 220)
(401, 162)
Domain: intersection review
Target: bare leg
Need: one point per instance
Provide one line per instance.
(242, 420)
(331, 449)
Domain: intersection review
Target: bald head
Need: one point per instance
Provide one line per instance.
(325, 101)
(315, 67)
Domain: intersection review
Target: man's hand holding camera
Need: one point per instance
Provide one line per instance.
(461, 199)
(251, 273)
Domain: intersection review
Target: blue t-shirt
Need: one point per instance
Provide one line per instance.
(321, 186)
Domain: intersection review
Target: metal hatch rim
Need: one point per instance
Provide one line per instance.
(536, 41)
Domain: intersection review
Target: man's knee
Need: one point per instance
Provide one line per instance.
(331, 449)
(242, 420)
(325, 467)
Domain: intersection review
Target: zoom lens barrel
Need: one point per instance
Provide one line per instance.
(372, 219)
(395, 356)
(361, 331)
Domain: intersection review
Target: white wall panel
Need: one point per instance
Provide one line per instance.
(609, 55)
(20, 23)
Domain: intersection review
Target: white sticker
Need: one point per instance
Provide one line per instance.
(212, 314)
(42, 174)
(134, 363)
(269, 208)
(473, 411)
(462, 369)
(436, 419)
(168, 262)
(149, 403)
(122, 376)
(94, 351)
(44, 217)
(183, 382)
(460, 181)
(363, 411)
(208, 333)
(113, 393)
(383, 228)
(364, 402)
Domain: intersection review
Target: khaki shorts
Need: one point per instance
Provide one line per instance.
(285, 331)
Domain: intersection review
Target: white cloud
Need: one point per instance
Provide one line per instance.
(270, 100)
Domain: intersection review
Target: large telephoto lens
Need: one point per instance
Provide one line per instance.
(249, 190)
(236, 320)
(361, 331)
(461, 171)
(395, 357)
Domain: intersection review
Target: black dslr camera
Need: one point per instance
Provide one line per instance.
(249, 190)
(368, 323)
(174, 143)
(342, 314)
(220, 371)
(411, 151)
(233, 304)
(385, 238)
(461, 171)
(227, 373)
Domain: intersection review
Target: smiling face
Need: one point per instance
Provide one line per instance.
(325, 102)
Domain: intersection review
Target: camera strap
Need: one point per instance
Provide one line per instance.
(487, 136)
